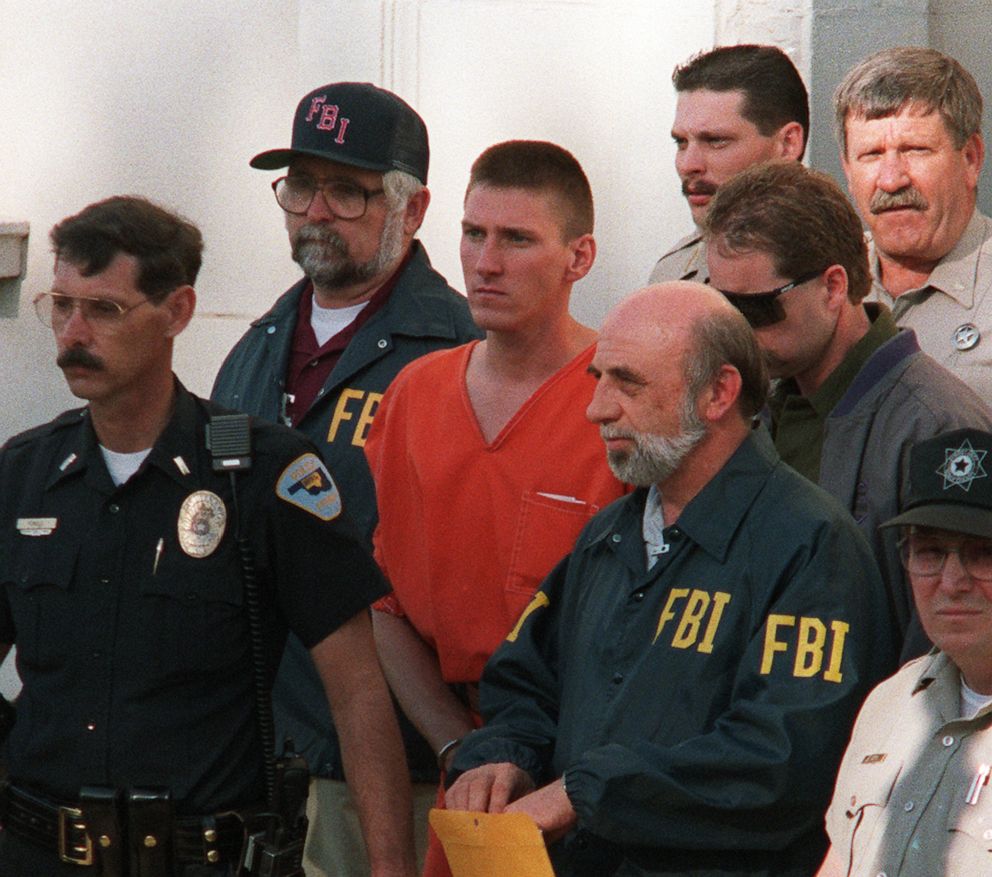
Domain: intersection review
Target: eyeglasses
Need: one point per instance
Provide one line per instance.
(764, 308)
(295, 194)
(926, 556)
(102, 314)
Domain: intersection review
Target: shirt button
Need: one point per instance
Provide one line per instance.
(382, 344)
(617, 678)
(638, 596)
(908, 806)
(91, 726)
(616, 537)
(675, 531)
(948, 740)
(105, 581)
(113, 508)
(271, 330)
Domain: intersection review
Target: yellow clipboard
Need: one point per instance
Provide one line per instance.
(491, 844)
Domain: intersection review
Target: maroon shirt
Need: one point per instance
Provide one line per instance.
(311, 365)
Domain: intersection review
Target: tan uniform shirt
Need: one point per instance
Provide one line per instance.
(685, 261)
(901, 806)
(952, 314)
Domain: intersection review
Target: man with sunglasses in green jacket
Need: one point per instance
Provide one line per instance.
(854, 392)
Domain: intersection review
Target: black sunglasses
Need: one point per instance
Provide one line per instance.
(764, 308)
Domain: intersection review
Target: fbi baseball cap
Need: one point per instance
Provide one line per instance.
(950, 486)
(359, 124)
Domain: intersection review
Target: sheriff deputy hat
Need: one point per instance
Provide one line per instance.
(359, 124)
(950, 486)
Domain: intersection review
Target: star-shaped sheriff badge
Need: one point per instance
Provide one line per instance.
(962, 466)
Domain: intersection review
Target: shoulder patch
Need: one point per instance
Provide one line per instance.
(307, 484)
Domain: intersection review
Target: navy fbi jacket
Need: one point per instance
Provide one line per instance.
(698, 711)
(422, 314)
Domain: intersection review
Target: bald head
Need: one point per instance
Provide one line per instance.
(665, 309)
(678, 377)
(694, 328)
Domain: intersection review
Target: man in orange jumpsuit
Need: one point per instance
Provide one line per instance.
(485, 466)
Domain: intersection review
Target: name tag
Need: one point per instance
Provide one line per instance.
(36, 526)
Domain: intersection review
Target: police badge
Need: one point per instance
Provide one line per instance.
(202, 521)
(962, 466)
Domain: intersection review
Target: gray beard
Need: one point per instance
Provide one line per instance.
(654, 457)
(323, 254)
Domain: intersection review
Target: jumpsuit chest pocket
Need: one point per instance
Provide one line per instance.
(191, 612)
(547, 527)
(42, 598)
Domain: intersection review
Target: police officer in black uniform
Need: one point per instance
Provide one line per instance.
(129, 565)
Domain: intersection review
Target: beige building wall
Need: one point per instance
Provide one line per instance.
(169, 98)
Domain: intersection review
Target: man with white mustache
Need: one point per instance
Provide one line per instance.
(675, 698)
(909, 124)
(353, 197)
(652, 458)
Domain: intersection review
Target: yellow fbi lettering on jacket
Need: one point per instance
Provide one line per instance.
(538, 601)
(691, 619)
(357, 409)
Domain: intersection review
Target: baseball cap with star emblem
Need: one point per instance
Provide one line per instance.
(949, 484)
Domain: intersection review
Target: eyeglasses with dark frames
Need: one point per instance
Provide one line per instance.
(346, 200)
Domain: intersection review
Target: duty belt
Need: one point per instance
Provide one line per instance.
(106, 828)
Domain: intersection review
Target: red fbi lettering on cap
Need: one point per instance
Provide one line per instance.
(327, 117)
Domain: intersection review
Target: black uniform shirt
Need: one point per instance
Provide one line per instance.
(127, 603)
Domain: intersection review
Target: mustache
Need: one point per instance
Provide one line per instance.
(698, 187)
(613, 432)
(77, 356)
(317, 233)
(909, 197)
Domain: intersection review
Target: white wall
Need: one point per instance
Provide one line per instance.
(592, 76)
(163, 99)
(170, 99)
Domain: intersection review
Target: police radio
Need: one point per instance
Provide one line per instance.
(274, 838)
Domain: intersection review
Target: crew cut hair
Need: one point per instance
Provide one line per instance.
(884, 83)
(774, 93)
(167, 247)
(799, 217)
(539, 166)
